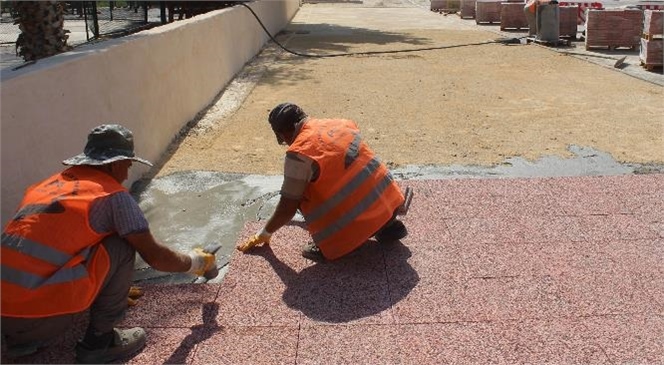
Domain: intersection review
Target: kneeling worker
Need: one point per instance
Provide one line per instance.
(71, 247)
(344, 192)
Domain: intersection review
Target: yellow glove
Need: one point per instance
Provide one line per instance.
(262, 237)
(135, 292)
(201, 261)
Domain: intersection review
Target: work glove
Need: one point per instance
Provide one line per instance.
(201, 262)
(135, 292)
(261, 237)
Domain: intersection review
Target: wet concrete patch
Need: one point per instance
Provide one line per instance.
(587, 161)
(193, 208)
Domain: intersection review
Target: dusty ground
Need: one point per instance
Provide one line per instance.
(474, 105)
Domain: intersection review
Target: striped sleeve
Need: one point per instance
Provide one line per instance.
(117, 213)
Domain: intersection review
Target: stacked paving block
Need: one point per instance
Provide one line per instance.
(445, 6)
(614, 28)
(568, 21)
(487, 11)
(652, 42)
(653, 23)
(512, 16)
(467, 9)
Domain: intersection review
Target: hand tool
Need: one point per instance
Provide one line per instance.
(408, 195)
(212, 248)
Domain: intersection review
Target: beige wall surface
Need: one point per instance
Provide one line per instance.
(153, 82)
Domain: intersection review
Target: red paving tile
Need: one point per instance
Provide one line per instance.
(589, 293)
(255, 345)
(619, 226)
(555, 270)
(651, 283)
(171, 345)
(509, 297)
(483, 260)
(550, 341)
(637, 339)
(171, 306)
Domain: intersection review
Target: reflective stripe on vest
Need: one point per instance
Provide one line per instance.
(35, 249)
(354, 194)
(45, 253)
(353, 150)
(344, 193)
(52, 261)
(358, 209)
(32, 281)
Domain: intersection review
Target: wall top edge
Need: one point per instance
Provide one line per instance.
(99, 47)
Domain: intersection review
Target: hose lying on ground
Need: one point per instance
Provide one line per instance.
(495, 41)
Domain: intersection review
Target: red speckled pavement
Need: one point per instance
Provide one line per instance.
(551, 270)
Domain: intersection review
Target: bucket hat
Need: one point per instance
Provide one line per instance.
(107, 143)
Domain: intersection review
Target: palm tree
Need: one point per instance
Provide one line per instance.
(42, 32)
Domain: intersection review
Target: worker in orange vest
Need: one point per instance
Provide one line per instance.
(71, 247)
(344, 192)
(530, 10)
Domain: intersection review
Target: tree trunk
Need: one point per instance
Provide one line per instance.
(42, 29)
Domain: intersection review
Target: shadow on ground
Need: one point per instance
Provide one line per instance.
(347, 289)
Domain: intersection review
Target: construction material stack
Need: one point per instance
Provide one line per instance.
(614, 28)
(467, 9)
(445, 6)
(568, 21)
(512, 16)
(487, 11)
(652, 42)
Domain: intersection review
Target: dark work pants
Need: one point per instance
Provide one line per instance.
(106, 311)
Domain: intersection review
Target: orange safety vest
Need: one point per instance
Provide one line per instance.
(354, 195)
(532, 5)
(52, 262)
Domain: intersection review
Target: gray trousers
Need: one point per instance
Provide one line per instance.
(532, 22)
(106, 311)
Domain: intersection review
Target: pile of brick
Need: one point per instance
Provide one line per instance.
(512, 16)
(487, 11)
(652, 44)
(568, 21)
(653, 22)
(467, 9)
(614, 28)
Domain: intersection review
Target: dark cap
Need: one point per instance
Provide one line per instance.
(107, 143)
(284, 117)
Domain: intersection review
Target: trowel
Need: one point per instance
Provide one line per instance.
(213, 272)
(408, 195)
(619, 62)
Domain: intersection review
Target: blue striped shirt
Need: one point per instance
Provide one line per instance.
(117, 213)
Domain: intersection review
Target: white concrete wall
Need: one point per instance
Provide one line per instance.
(152, 82)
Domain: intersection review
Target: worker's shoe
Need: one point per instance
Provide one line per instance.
(312, 252)
(123, 344)
(393, 231)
